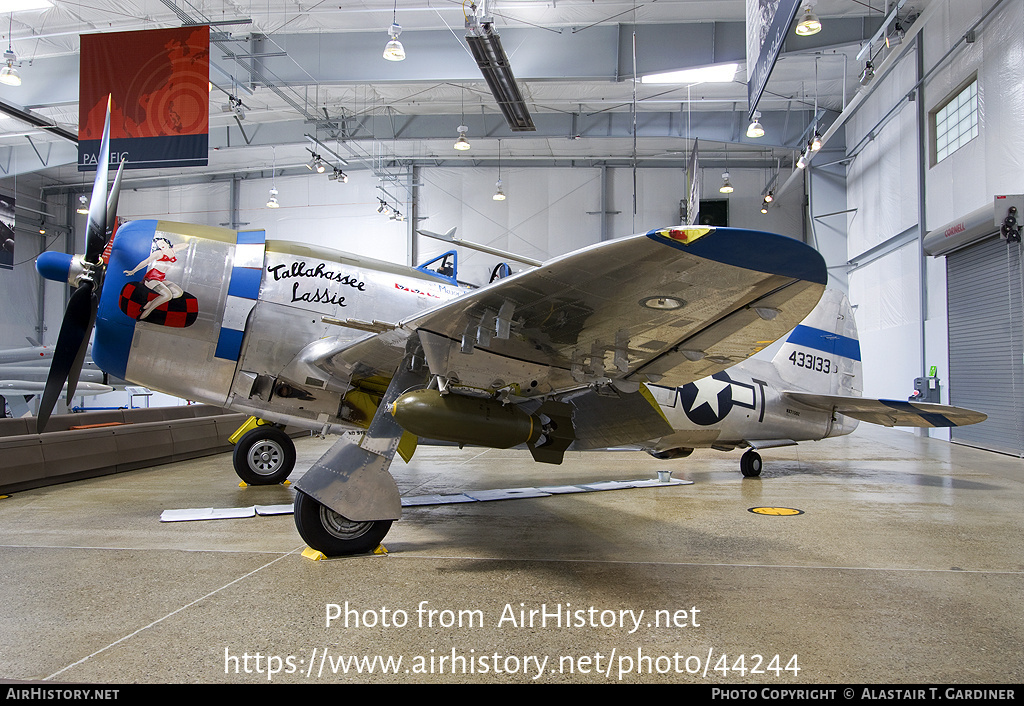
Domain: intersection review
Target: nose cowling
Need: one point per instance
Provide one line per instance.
(114, 329)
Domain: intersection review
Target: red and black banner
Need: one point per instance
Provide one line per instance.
(159, 82)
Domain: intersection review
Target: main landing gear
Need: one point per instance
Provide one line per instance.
(264, 455)
(333, 534)
(750, 464)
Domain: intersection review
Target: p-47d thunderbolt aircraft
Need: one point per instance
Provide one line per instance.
(300, 335)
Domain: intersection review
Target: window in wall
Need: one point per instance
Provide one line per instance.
(956, 121)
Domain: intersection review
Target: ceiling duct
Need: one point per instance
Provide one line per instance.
(490, 56)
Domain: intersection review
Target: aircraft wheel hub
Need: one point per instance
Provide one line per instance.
(266, 457)
(342, 527)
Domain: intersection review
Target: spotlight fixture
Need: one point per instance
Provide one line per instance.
(8, 74)
(726, 187)
(809, 23)
(316, 163)
(462, 144)
(815, 144)
(764, 207)
(338, 175)
(802, 162)
(895, 38)
(272, 201)
(393, 50)
(769, 197)
(499, 195)
(235, 105)
(867, 74)
(755, 129)
(83, 205)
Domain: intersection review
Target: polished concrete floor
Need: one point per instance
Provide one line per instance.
(906, 565)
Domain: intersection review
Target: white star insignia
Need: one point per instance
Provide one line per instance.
(707, 393)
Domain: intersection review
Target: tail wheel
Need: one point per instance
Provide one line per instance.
(326, 531)
(264, 456)
(750, 464)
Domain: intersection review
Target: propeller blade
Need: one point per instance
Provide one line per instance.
(115, 191)
(80, 316)
(96, 234)
(76, 367)
(73, 337)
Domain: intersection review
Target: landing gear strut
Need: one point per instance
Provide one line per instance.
(750, 464)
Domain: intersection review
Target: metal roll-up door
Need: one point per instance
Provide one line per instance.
(986, 342)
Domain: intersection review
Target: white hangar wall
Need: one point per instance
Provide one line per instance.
(882, 189)
(900, 295)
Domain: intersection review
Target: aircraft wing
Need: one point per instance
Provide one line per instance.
(668, 306)
(891, 413)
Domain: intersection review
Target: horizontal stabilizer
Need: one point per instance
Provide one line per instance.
(891, 413)
(759, 444)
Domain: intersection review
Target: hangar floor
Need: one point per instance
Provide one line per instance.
(907, 565)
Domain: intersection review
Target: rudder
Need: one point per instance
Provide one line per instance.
(822, 354)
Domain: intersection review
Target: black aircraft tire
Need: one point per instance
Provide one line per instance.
(326, 531)
(750, 464)
(264, 456)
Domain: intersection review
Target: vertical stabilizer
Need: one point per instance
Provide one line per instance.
(822, 354)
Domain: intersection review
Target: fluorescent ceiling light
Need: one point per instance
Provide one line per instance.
(721, 73)
(19, 5)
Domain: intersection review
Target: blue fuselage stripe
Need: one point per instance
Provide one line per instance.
(825, 341)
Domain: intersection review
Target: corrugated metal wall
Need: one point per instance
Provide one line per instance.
(986, 342)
